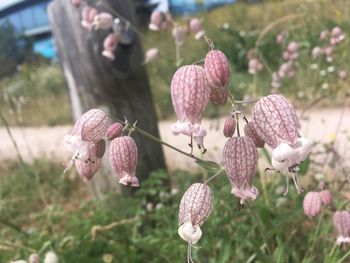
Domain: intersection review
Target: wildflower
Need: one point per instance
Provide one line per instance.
(229, 126)
(123, 159)
(317, 52)
(195, 207)
(249, 130)
(179, 34)
(329, 54)
(341, 222)
(324, 34)
(196, 27)
(276, 80)
(336, 36)
(88, 15)
(151, 55)
(286, 70)
(103, 20)
(342, 74)
(34, 258)
(156, 20)
(254, 66)
(190, 95)
(51, 257)
(110, 44)
(312, 204)
(281, 37)
(114, 131)
(217, 71)
(326, 197)
(240, 158)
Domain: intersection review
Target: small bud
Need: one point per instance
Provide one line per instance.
(114, 131)
(341, 222)
(324, 34)
(249, 130)
(229, 126)
(326, 197)
(312, 204)
(342, 74)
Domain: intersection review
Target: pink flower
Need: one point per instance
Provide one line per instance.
(240, 158)
(324, 34)
(110, 44)
(342, 74)
(151, 55)
(293, 47)
(196, 27)
(103, 21)
(179, 34)
(123, 159)
(326, 197)
(281, 37)
(317, 52)
(195, 207)
(254, 66)
(276, 80)
(312, 204)
(336, 36)
(341, 222)
(156, 20)
(88, 15)
(229, 126)
(249, 130)
(217, 70)
(190, 95)
(114, 131)
(34, 258)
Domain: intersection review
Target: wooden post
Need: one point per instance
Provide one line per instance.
(121, 87)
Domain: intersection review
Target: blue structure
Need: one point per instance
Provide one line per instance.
(30, 18)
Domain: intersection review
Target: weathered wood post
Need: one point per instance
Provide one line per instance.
(120, 86)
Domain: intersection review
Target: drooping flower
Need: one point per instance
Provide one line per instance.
(217, 70)
(240, 158)
(341, 222)
(249, 130)
(114, 131)
(190, 96)
(103, 20)
(326, 197)
(312, 204)
(88, 15)
(196, 27)
(123, 159)
(151, 55)
(195, 207)
(229, 126)
(110, 44)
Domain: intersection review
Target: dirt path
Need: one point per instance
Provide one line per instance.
(47, 142)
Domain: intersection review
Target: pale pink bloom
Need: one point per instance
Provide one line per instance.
(329, 51)
(195, 207)
(196, 28)
(293, 47)
(317, 52)
(326, 197)
(249, 130)
(229, 126)
(254, 66)
(123, 159)
(76, 3)
(240, 158)
(342, 74)
(276, 80)
(293, 56)
(34, 258)
(190, 93)
(336, 36)
(281, 37)
(110, 44)
(103, 21)
(114, 131)
(285, 55)
(51, 257)
(217, 70)
(341, 222)
(324, 34)
(151, 55)
(312, 204)
(88, 15)
(284, 69)
(179, 34)
(156, 20)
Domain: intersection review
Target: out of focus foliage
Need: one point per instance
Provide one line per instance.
(49, 211)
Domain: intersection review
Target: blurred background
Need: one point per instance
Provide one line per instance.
(52, 71)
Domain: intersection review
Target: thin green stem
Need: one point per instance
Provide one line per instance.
(314, 238)
(344, 257)
(215, 175)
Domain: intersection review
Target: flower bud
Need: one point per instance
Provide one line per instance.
(312, 204)
(155, 21)
(240, 158)
(114, 131)
(94, 124)
(341, 222)
(249, 130)
(179, 34)
(326, 197)
(110, 44)
(151, 55)
(229, 126)
(324, 34)
(217, 70)
(103, 21)
(123, 159)
(196, 27)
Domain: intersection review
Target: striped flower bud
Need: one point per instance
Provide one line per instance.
(87, 168)
(229, 126)
(195, 207)
(123, 159)
(196, 27)
(341, 222)
(249, 130)
(103, 21)
(326, 197)
(312, 204)
(88, 14)
(240, 161)
(114, 131)
(190, 96)
(217, 70)
(110, 44)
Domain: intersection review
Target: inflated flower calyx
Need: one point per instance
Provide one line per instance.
(229, 126)
(123, 159)
(190, 96)
(240, 158)
(326, 197)
(341, 222)
(249, 130)
(217, 70)
(114, 131)
(312, 204)
(195, 207)
(88, 168)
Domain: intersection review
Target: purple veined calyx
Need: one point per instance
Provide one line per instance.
(249, 130)
(123, 159)
(90, 128)
(114, 131)
(240, 158)
(230, 126)
(217, 70)
(195, 207)
(341, 223)
(312, 204)
(190, 95)
(276, 123)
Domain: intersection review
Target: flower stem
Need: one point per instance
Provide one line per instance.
(213, 176)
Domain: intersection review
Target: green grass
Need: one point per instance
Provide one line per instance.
(271, 229)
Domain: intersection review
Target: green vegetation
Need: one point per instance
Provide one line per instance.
(49, 211)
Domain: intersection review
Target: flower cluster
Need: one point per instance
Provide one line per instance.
(254, 64)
